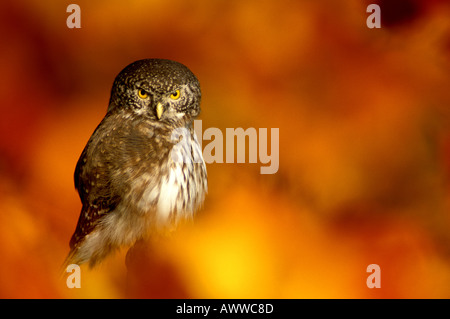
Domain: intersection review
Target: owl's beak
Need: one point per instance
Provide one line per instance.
(159, 110)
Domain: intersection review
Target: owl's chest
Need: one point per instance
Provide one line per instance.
(174, 200)
(181, 187)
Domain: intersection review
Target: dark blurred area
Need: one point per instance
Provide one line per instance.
(364, 146)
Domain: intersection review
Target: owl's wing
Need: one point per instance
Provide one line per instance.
(97, 199)
(76, 175)
(92, 210)
(108, 167)
(86, 222)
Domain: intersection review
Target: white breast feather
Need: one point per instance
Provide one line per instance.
(169, 189)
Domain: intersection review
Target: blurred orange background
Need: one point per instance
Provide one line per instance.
(364, 149)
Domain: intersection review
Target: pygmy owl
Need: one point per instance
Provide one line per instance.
(142, 170)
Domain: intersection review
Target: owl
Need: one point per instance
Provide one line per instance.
(142, 170)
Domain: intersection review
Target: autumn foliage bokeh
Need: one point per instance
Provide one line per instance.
(364, 149)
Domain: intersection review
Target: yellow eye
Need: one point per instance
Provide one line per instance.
(142, 94)
(176, 95)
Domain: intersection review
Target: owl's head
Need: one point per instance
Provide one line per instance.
(157, 89)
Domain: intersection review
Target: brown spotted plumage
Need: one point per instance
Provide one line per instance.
(142, 170)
